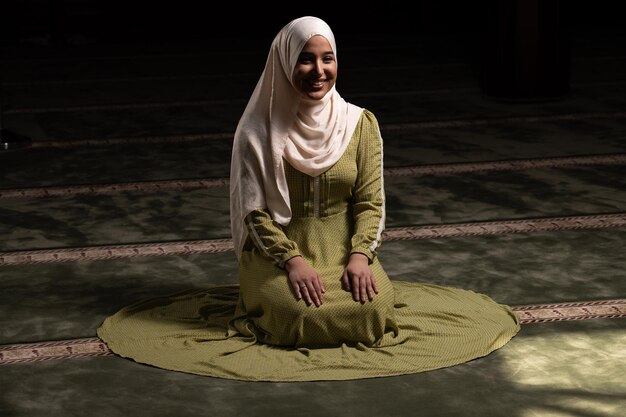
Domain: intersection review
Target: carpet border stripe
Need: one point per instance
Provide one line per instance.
(93, 346)
(95, 253)
(409, 171)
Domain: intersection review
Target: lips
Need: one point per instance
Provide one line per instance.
(316, 83)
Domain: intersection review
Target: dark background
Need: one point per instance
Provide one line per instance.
(522, 49)
(117, 21)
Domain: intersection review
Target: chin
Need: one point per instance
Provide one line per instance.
(316, 95)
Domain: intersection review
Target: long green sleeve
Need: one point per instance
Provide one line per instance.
(269, 237)
(369, 195)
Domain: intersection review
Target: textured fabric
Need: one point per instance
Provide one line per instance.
(437, 327)
(258, 331)
(355, 183)
(277, 122)
(320, 133)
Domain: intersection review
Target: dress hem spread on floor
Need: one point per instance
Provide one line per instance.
(189, 332)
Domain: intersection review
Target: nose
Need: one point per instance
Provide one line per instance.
(318, 67)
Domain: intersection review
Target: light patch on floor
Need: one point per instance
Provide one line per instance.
(595, 386)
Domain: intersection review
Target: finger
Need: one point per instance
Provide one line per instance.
(346, 280)
(296, 289)
(356, 289)
(313, 295)
(319, 289)
(370, 289)
(363, 290)
(374, 286)
(305, 295)
(298, 292)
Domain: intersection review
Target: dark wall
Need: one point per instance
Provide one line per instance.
(140, 20)
(519, 48)
(184, 19)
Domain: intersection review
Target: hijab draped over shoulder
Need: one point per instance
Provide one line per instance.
(280, 124)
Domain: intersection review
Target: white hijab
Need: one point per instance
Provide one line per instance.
(278, 123)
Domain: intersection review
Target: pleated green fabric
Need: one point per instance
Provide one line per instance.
(258, 331)
(189, 332)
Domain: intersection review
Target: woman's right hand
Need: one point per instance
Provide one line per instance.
(305, 281)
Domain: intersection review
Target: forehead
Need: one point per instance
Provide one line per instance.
(317, 43)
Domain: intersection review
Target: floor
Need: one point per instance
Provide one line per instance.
(123, 196)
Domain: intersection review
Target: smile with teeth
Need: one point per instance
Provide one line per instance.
(317, 84)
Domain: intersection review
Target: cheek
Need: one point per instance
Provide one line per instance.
(297, 76)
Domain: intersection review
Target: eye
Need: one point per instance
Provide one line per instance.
(304, 59)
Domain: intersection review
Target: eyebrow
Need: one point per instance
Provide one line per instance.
(323, 53)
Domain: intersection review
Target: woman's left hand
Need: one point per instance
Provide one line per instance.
(359, 279)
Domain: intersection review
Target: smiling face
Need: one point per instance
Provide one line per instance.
(316, 70)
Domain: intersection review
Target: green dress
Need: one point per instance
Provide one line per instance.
(258, 331)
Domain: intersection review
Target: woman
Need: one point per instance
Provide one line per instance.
(307, 215)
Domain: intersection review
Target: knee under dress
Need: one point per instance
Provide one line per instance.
(257, 331)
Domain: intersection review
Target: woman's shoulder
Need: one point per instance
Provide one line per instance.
(368, 123)
(367, 116)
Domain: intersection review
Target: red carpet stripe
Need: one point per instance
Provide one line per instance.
(550, 224)
(118, 107)
(420, 170)
(94, 253)
(100, 189)
(131, 140)
(432, 124)
(529, 314)
(460, 168)
(446, 124)
(62, 349)
(546, 313)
